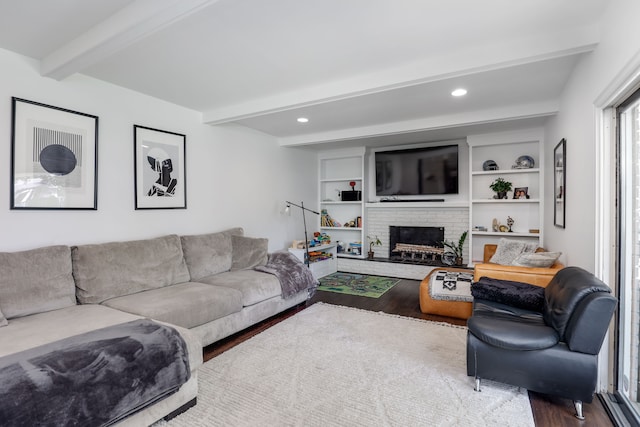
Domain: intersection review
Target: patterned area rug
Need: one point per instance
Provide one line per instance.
(336, 366)
(357, 284)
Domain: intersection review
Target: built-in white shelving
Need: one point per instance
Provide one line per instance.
(338, 169)
(504, 149)
(320, 267)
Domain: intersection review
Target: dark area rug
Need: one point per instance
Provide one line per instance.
(357, 284)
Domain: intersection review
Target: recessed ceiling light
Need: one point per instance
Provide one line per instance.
(302, 120)
(459, 92)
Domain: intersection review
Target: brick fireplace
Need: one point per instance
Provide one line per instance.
(380, 216)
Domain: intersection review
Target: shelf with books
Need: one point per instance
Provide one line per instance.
(322, 259)
(341, 186)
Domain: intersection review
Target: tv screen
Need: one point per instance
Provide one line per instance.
(417, 172)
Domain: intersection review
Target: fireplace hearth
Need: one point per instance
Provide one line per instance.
(416, 245)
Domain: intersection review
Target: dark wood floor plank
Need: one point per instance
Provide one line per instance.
(403, 300)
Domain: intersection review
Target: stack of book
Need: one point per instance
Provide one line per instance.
(326, 220)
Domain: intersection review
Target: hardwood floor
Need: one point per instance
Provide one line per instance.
(402, 299)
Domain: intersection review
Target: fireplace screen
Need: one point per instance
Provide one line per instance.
(419, 244)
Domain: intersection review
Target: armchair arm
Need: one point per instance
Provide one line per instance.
(590, 322)
(531, 275)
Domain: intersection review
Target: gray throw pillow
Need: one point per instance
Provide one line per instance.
(508, 250)
(537, 259)
(3, 320)
(248, 252)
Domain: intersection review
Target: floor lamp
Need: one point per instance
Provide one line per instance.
(304, 221)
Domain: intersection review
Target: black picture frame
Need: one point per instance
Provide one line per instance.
(159, 168)
(521, 193)
(560, 184)
(54, 157)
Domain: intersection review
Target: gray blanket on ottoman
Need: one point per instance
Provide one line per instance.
(92, 379)
(293, 275)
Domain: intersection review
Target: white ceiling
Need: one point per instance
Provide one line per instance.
(360, 70)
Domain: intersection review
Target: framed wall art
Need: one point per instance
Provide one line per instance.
(560, 183)
(159, 169)
(54, 157)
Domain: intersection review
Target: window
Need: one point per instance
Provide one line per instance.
(627, 360)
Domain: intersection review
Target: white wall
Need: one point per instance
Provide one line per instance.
(235, 176)
(577, 123)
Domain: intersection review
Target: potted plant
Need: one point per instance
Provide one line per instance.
(500, 186)
(457, 248)
(373, 240)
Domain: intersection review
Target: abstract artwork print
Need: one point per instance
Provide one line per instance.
(54, 157)
(159, 169)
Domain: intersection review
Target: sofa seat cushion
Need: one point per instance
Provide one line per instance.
(37, 329)
(254, 286)
(186, 304)
(512, 334)
(107, 270)
(36, 281)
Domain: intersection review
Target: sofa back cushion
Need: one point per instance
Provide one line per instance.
(208, 254)
(109, 270)
(36, 281)
(248, 252)
(565, 292)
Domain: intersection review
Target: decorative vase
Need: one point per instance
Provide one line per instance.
(458, 260)
(370, 254)
(502, 194)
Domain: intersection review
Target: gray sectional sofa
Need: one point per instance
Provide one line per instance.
(203, 286)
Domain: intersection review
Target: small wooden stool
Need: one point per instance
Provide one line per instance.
(428, 305)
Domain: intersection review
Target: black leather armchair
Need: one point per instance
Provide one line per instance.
(553, 351)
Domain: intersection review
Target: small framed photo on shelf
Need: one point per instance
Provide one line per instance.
(521, 193)
(54, 157)
(159, 166)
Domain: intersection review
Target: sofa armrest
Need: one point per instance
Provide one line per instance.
(531, 275)
(590, 322)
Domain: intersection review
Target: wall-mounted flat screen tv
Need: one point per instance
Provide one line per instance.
(417, 172)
